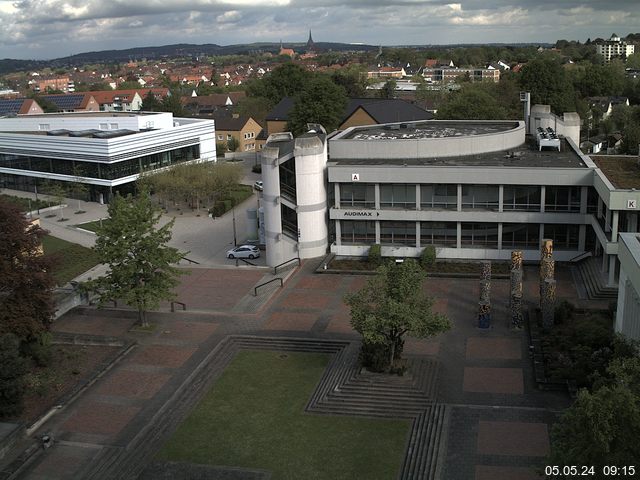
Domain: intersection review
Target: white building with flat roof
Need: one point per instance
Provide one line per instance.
(105, 151)
(614, 48)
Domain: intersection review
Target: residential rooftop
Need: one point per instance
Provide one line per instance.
(622, 171)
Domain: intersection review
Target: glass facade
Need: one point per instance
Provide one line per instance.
(357, 195)
(565, 237)
(521, 198)
(398, 195)
(441, 234)
(289, 221)
(480, 197)
(520, 236)
(479, 235)
(98, 170)
(439, 197)
(357, 233)
(287, 172)
(562, 199)
(398, 233)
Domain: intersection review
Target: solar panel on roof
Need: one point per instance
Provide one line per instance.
(66, 102)
(10, 106)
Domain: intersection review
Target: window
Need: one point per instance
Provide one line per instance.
(288, 179)
(113, 126)
(520, 235)
(104, 126)
(522, 198)
(357, 232)
(357, 195)
(441, 197)
(398, 195)
(398, 233)
(220, 137)
(565, 237)
(562, 199)
(442, 234)
(289, 221)
(479, 235)
(480, 197)
(229, 137)
(44, 126)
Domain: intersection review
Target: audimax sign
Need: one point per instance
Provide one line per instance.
(360, 213)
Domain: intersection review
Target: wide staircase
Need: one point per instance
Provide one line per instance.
(594, 281)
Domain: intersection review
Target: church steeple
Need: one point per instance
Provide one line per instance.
(311, 47)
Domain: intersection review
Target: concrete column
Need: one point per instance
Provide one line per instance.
(338, 232)
(622, 293)
(418, 198)
(417, 234)
(605, 257)
(584, 195)
(582, 237)
(543, 197)
(633, 222)
(501, 199)
(378, 231)
(459, 235)
(336, 194)
(607, 221)
(612, 270)
(614, 225)
(377, 196)
(459, 198)
(541, 234)
(499, 236)
(600, 204)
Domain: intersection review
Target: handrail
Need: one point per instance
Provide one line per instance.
(275, 269)
(255, 290)
(582, 256)
(173, 308)
(245, 261)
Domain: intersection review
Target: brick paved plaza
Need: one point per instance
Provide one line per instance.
(498, 425)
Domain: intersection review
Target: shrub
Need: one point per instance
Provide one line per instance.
(12, 370)
(564, 311)
(375, 255)
(218, 209)
(39, 349)
(257, 168)
(428, 257)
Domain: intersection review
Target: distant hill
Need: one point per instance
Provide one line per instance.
(166, 51)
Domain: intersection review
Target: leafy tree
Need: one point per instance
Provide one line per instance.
(631, 138)
(129, 85)
(393, 304)
(352, 80)
(287, 80)
(172, 103)
(141, 271)
(472, 102)
(47, 105)
(388, 90)
(602, 428)
(548, 83)
(221, 148)
(232, 144)
(26, 304)
(78, 188)
(321, 101)
(255, 107)
(150, 103)
(12, 370)
(58, 192)
(633, 61)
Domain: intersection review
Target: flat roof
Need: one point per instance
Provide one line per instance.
(90, 114)
(527, 156)
(623, 171)
(428, 129)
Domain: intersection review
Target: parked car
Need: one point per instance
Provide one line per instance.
(258, 185)
(244, 251)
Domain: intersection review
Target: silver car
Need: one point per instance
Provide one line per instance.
(244, 251)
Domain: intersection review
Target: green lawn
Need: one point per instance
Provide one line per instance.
(92, 226)
(69, 259)
(254, 417)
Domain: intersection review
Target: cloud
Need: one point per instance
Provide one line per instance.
(51, 28)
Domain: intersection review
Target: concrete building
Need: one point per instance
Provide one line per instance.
(106, 151)
(628, 310)
(473, 189)
(614, 48)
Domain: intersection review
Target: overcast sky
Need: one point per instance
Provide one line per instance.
(45, 29)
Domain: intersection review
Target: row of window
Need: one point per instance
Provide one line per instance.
(106, 171)
(474, 197)
(445, 234)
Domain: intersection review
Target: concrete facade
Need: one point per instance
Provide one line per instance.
(628, 309)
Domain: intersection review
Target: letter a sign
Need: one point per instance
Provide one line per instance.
(355, 177)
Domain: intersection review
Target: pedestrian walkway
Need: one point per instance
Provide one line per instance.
(493, 422)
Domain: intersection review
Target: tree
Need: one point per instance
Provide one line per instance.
(58, 192)
(321, 101)
(287, 80)
(172, 103)
(141, 269)
(472, 102)
(26, 304)
(78, 188)
(232, 144)
(150, 103)
(393, 304)
(602, 428)
(12, 370)
(388, 90)
(548, 83)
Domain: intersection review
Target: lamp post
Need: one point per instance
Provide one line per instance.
(233, 213)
